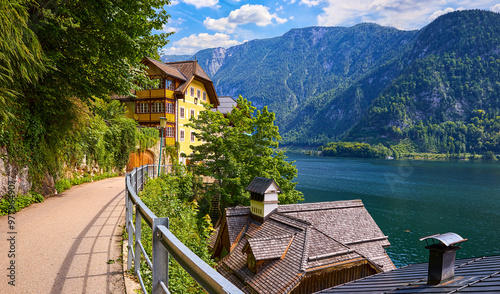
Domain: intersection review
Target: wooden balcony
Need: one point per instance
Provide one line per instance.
(155, 93)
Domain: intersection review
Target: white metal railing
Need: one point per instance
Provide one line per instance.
(164, 242)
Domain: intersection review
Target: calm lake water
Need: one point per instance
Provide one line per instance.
(412, 199)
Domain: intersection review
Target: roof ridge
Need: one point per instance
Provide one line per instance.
(291, 217)
(270, 237)
(305, 252)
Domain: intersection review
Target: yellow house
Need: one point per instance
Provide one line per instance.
(179, 91)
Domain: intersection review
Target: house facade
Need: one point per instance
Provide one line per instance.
(297, 248)
(178, 94)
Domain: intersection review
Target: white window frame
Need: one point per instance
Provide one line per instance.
(169, 132)
(182, 135)
(193, 113)
(198, 93)
(182, 112)
(204, 96)
(193, 138)
(170, 108)
(192, 91)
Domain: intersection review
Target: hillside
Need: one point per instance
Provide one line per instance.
(371, 83)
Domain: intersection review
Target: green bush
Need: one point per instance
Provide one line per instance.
(20, 202)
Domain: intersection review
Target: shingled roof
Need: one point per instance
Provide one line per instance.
(299, 239)
(166, 69)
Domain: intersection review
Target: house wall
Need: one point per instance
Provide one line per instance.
(189, 105)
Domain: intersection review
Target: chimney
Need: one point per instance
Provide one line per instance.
(442, 257)
(263, 198)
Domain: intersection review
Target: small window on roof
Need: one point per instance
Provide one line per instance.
(204, 96)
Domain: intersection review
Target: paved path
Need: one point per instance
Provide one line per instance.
(63, 245)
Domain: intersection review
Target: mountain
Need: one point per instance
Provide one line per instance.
(368, 82)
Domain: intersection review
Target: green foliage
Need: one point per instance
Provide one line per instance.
(56, 57)
(171, 196)
(64, 183)
(238, 148)
(354, 149)
(20, 202)
(20, 53)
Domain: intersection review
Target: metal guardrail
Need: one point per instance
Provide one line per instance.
(164, 242)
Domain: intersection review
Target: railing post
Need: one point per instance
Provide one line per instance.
(136, 185)
(129, 231)
(160, 256)
(137, 260)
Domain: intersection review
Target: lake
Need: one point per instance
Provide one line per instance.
(410, 199)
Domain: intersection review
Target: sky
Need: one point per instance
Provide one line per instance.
(202, 24)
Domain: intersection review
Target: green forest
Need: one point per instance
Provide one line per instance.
(437, 87)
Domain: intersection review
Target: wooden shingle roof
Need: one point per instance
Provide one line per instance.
(166, 69)
(269, 247)
(314, 235)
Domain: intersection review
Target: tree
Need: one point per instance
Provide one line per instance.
(238, 148)
(59, 56)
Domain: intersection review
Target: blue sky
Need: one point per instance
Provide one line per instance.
(201, 24)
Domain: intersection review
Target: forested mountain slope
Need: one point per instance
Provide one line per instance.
(373, 83)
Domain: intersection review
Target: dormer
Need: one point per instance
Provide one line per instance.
(261, 251)
(263, 198)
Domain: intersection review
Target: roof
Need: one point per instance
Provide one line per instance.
(226, 104)
(269, 247)
(261, 185)
(294, 241)
(472, 275)
(186, 72)
(166, 69)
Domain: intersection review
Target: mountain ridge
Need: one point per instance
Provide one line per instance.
(326, 83)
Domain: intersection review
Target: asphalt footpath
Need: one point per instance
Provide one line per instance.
(70, 243)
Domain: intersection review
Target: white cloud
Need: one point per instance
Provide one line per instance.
(442, 12)
(402, 14)
(174, 2)
(195, 43)
(495, 8)
(311, 2)
(246, 14)
(173, 25)
(202, 3)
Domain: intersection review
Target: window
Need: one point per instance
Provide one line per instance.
(192, 113)
(181, 112)
(193, 137)
(169, 132)
(198, 94)
(158, 107)
(169, 84)
(181, 135)
(205, 96)
(192, 91)
(195, 100)
(170, 108)
(142, 107)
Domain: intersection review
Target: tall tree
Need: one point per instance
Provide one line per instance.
(238, 148)
(90, 48)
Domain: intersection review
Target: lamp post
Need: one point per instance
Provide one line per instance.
(163, 124)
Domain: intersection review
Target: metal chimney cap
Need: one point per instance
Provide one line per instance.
(447, 238)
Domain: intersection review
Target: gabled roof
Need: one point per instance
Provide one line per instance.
(260, 185)
(472, 275)
(190, 68)
(186, 72)
(166, 69)
(269, 247)
(312, 244)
